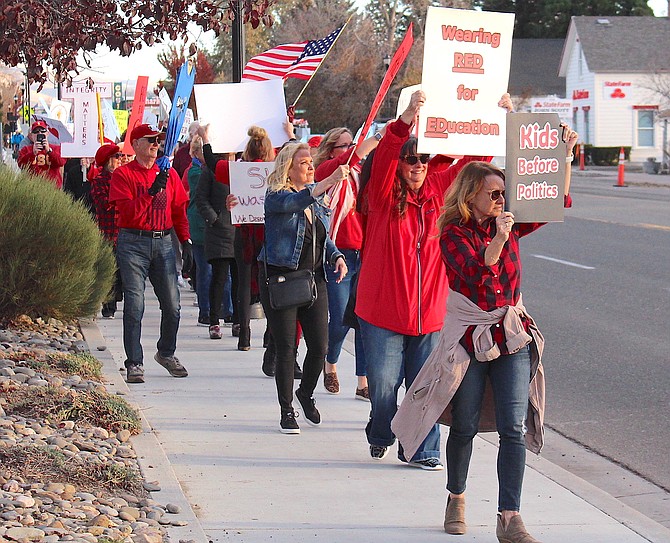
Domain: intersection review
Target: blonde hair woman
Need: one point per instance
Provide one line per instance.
(296, 219)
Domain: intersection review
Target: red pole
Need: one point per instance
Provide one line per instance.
(580, 147)
(622, 159)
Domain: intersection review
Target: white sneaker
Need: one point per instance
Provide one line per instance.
(182, 282)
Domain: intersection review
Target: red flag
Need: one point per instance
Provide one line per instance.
(299, 60)
(393, 69)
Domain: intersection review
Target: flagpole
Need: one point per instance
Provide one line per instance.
(320, 63)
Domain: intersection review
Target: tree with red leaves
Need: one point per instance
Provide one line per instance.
(43, 34)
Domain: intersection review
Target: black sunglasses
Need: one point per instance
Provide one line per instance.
(345, 146)
(495, 194)
(151, 139)
(40, 131)
(117, 155)
(413, 159)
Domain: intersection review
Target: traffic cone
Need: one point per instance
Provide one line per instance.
(580, 150)
(622, 159)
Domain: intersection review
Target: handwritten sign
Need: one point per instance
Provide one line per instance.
(465, 72)
(248, 181)
(535, 172)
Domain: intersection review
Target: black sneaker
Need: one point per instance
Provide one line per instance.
(288, 424)
(203, 320)
(269, 362)
(378, 453)
(135, 373)
(297, 372)
(429, 464)
(312, 415)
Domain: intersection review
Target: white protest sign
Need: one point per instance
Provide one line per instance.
(248, 181)
(166, 104)
(466, 64)
(188, 119)
(86, 141)
(404, 98)
(111, 128)
(60, 110)
(63, 135)
(231, 108)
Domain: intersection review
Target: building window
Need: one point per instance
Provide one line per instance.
(645, 127)
(574, 117)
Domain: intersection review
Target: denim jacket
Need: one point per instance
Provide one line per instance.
(285, 224)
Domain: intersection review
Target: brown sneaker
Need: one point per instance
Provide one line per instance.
(135, 373)
(331, 383)
(515, 532)
(454, 516)
(363, 394)
(172, 364)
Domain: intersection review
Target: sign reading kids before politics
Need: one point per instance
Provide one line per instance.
(535, 172)
(248, 182)
(466, 63)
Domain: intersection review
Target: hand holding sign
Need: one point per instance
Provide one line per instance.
(504, 224)
(341, 173)
(231, 201)
(416, 102)
(506, 102)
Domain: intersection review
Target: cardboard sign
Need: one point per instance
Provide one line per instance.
(535, 172)
(231, 108)
(465, 72)
(248, 181)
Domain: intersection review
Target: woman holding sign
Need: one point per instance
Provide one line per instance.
(402, 287)
(296, 238)
(486, 369)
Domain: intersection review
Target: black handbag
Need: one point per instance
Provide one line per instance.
(296, 288)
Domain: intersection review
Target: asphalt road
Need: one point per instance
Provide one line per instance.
(599, 287)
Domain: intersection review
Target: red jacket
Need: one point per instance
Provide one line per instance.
(403, 284)
(46, 164)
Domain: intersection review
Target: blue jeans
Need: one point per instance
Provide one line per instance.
(138, 258)
(509, 376)
(338, 296)
(393, 358)
(203, 271)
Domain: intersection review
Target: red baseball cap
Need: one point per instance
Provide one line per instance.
(103, 154)
(39, 124)
(145, 131)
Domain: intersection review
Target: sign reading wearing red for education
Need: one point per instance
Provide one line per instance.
(466, 64)
(535, 172)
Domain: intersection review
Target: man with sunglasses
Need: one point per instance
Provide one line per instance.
(41, 158)
(149, 203)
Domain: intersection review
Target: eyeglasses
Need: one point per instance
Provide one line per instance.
(495, 194)
(41, 131)
(117, 155)
(151, 139)
(413, 159)
(345, 146)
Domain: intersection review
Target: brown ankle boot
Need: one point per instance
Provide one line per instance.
(515, 532)
(454, 516)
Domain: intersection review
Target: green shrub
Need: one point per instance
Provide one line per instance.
(53, 260)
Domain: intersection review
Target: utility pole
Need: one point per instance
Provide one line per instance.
(238, 42)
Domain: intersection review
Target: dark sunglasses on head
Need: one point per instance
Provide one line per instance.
(413, 159)
(151, 139)
(495, 194)
(344, 146)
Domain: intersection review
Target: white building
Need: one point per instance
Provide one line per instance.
(612, 66)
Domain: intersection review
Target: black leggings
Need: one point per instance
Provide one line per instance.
(282, 324)
(243, 284)
(220, 268)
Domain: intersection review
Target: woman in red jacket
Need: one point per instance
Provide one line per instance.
(402, 286)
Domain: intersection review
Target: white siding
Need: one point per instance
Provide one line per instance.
(584, 82)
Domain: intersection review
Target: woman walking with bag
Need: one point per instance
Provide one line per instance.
(296, 239)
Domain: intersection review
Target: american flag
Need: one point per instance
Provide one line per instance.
(299, 60)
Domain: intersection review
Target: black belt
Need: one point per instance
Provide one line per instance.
(148, 233)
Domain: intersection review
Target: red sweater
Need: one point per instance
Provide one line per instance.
(45, 164)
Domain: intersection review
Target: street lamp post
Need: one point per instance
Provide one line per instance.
(385, 106)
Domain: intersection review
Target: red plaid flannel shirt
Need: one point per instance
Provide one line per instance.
(105, 213)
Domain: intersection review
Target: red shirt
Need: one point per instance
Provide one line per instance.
(45, 164)
(139, 210)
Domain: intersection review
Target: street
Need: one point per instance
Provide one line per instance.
(598, 287)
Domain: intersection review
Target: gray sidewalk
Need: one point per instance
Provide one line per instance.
(214, 436)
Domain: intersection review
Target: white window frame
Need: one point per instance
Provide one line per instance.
(651, 128)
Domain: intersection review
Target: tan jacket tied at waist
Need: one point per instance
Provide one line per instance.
(428, 399)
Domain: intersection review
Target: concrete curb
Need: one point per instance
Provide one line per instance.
(152, 459)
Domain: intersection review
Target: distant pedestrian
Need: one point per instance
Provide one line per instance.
(40, 157)
(107, 159)
(150, 202)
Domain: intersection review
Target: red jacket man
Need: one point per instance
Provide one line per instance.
(40, 158)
